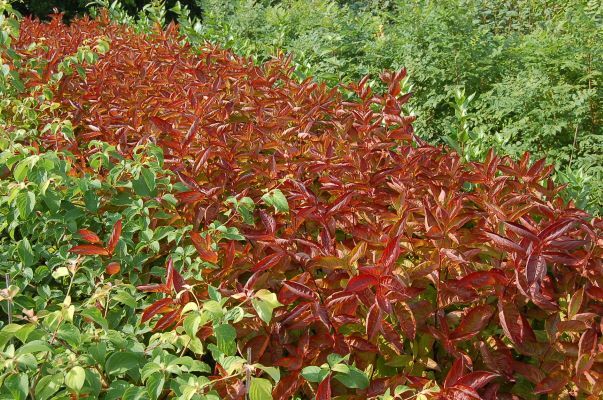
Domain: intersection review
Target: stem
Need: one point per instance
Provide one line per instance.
(10, 302)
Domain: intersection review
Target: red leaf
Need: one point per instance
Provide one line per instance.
(515, 326)
(115, 235)
(455, 372)
(481, 279)
(89, 250)
(112, 268)
(89, 236)
(390, 253)
(473, 322)
(167, 320)
(157, 307)
(267, 262)
(360, 282)
(191, 196)
(504, 243)
(300, 290)
(203, 247)
(161, 124)
(477, 379)
(323, 391)
(373, 322)
(174, 279)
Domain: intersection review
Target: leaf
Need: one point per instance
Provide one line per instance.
(35, 346)
(26, 202)
(89, 236)
(504, 243)
(477, 379)
(323, 391)
(89, 250)
(75, 378)
(373, 322)
(264, 303)
(299, 290)
(26, 253)
(225, 337)
(515, 325)
(145, 185)
(121, 362)
(277, 199)
(203, 248)
(48, 385)
(314, 374)
(157, 307)
(267, 262)
(260, 389)
(473, 322)
(17, 385)
(154, 385)
(115, 235)
(575, 304)
(360, 282)
(355, 379)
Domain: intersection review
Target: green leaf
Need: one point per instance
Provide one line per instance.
(21, 170)
(75, 378)
(121, 362)
(277, 199)
(26, 253)
(26, 202)
(354, 379)
(35, 346)
(264, 303)
(314, 374)
(70, 333)
(95, 315)
(48, 385)
(260, 389)
(145, 184)
(225, 337)
(191, 324)
(135, 393)
(155, 385)
(17, 385)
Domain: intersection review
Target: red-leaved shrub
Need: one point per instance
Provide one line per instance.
(395, 251)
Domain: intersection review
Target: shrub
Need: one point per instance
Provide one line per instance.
(313, 245)
(534, 66)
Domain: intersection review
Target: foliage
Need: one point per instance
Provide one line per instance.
(534, 66)
(282, 238)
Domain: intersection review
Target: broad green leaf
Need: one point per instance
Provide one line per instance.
(264, 303)
(121, 362)
(33, 347)
(314, 374)
(225, 337)
(155, 385)
(26, 202)
(277, 199)
(48, 385)
(18, 385)
(260, 389)
(75, 378)
(145, 184)
(354, 379)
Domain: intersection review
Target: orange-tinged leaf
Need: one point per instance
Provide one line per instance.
(89, 250)
(267, 262)
(115, 235)
(89, 236)
(157, 307)
(112, 268)
(203, 248)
